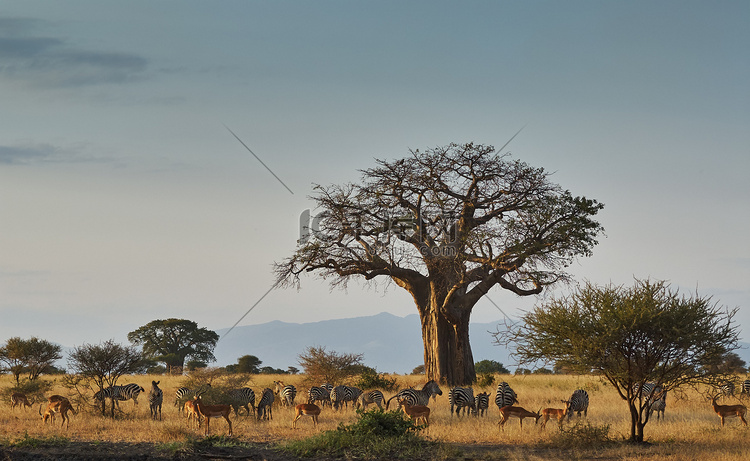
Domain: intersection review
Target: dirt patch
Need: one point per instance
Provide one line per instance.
(113, 451)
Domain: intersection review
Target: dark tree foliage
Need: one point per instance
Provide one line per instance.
(103, 364)
(484, 367)
(172, 341)
(33, 356)
(631, 336)
(331, 367)
(447, 225)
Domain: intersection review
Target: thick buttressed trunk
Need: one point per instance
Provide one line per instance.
(447, 352)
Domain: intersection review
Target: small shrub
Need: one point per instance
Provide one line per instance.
(582, 435)
(376, 434)
(371, 379)
(40, 442)
(486, 380)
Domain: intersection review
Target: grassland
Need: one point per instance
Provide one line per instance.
(690, 430)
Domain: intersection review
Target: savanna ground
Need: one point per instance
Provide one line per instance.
(691, 430)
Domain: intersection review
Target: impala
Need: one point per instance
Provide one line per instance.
(58, 406)
(729, 410)
(191, 412)
(554, 413)
(415, 412)
(510, 411)
(213, 411)
(17, 399)
(306, 409)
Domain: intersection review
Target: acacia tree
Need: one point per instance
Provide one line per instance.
(447, 225)
(631, 336)
(33, 356)
(173, 340)
(332, 367)
(103, 364)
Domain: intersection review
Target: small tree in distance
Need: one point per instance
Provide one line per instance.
(173, 341)
(103, 364)
(331, 367)
(33, 356)
(484, 367)
(631, 336)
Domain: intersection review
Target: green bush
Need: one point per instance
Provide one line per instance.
(376, 434)
(582, 436)
(371, 379)
(486, 380)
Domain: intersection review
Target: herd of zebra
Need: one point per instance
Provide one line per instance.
(338, 397)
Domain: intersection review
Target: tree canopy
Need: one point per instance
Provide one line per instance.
(103, 364)
(33, 356)
(172, 341)
(631, 336)
(447, 224)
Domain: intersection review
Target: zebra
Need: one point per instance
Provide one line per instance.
(417, 397)
(265, 405)
(117, 393)
(241, 398)
(319, 393)
(656, 399)
(287, 394)
(343, 395)
(462, 397)
(579, 402)
(727, 389)
(505, 395)
(155, 399)
(483, 403)
(745, 388)
(369, 397)
(185, 393)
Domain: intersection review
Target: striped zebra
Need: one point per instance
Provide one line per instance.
(505, 396)
(366, 398)
(745, 389)
(184, 393)
(155, 399)
(286, 393)
(265, 405)
(319, 394)
(342, 395)
(417, 397)
(656, 399)
(727, 389)
(462, 398)
(483, 403)
(118, 393)
(579, 402)
(242, 398)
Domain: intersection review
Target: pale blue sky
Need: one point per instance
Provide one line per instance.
(123, 197)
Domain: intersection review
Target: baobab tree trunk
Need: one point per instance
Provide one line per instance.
(447, 352)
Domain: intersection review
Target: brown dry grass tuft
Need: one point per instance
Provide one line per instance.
(690, 431)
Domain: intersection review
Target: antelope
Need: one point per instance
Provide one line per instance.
(554, 413)
(729, 410)
(213, 411)
(58, 406)
(518, 412)
(19, 400)
(306, 409)
(190, 411)
(415, 412)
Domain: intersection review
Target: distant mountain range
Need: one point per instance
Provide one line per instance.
(390, 344)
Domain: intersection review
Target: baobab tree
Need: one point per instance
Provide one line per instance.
(446, 224)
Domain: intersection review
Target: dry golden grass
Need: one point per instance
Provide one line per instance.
(689, 431)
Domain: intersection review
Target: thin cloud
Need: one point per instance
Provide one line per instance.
(43, 153)
(51, 62)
